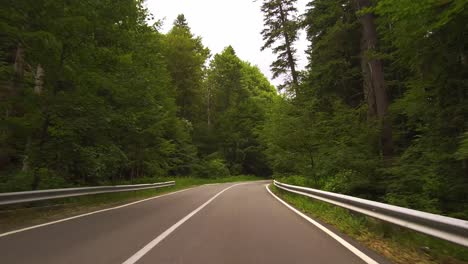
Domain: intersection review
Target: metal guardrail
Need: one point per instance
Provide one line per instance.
(33, 196)
(446, 228)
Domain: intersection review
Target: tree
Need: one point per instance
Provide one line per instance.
(238, 97)
(90, 94)
(185, 56)
(95, 103)
(374, 82)
(427, 42)
(280, 32)
(334, 66)
(414, 96)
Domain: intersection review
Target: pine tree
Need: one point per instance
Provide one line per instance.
(374, 84)
(280, 32)
(185, 57)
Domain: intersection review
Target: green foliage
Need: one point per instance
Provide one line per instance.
(90, 94)
(237, 96)
(212, 167)
(324, 133)
(428, 40)
(106, 111)
(462, 153)
(321, 134)
(334, 66)
(331, 149)
(186, 56)
(280, 31)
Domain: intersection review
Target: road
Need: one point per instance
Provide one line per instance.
(223, 223)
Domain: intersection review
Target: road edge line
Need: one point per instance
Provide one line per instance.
(340, 240)
(142, 252)
(91, 213)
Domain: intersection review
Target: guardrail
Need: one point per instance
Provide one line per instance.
(446, 228)
(33, 196)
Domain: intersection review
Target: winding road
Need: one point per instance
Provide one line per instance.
(221, 223)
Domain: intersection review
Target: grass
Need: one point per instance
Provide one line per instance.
(398, 244)
(14, 217)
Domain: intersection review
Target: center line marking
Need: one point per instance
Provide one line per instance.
(133, 259)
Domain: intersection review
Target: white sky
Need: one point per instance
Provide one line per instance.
(227, 22)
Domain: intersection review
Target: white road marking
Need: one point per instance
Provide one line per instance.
(340, 240)
(90, 213)
(133, 259)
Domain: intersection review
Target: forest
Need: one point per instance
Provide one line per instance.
(93, 92)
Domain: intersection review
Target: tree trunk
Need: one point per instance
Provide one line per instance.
(38, 88)
(45, 126)
(208, 105)
(39, 80)
(18, 69)
(374, 83)
(16, 83)
(312, 165)
(42, 140)
(367, 85)
(26, 163)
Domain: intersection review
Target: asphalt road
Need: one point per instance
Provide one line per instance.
(207, 224)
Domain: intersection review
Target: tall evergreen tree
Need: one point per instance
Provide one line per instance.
(375, 87)
(185, 57)
(280, 32)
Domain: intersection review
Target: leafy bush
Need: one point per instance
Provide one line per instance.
(212, 168)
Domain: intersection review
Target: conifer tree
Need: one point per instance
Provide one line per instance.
(280, 32)
(186, 56)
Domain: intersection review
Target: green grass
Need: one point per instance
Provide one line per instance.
(18, 216)
(398, 244)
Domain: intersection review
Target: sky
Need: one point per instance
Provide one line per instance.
(227, 22)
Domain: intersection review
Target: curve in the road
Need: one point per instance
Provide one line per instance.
(224, 223)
